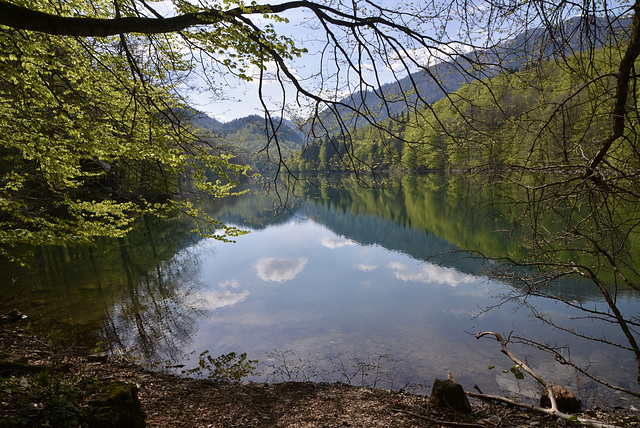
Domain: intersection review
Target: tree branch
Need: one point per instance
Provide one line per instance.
(538, 409)
(622, 93)
(22, 18)
(553, 411)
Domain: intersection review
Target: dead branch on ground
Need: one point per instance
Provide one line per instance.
(553, 411)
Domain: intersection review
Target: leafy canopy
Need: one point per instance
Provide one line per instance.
(93, 133)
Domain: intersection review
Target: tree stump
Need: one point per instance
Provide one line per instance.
(448, 394)
(118, 406)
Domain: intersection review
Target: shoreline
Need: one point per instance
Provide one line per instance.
(170, 400)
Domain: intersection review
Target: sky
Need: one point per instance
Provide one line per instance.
(237, 98)
(234, 98)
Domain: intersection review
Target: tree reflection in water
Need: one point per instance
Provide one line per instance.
(339, 282)
(132, 293)
(156, 313)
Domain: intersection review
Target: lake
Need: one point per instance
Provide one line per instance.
(353, 284)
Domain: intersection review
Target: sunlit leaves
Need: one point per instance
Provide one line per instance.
(236, 40)
(91, 137)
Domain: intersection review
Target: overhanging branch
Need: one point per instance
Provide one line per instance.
(22, 18)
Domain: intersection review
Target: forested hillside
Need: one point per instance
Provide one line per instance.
(488, 122)
(250, 138)
(441, 77)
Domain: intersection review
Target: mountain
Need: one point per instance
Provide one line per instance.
(489, 121)
(527, 48)
(248, 136)
(204, 121)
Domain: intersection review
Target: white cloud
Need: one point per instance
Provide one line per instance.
(279, 269)
(429, 56)
(429, 273)
(337, 242)
(366, 268)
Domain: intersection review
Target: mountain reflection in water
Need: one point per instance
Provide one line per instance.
(356, 278)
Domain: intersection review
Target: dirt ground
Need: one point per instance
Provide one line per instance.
(172, 401)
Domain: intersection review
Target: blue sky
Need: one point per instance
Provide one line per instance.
(233, 98)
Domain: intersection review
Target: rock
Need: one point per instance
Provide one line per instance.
(448, 394)
(118, 406)
(13, 315)
(567, 402)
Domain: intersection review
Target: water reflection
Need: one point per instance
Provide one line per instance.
(430, 273)
(135, 292)
(154, 315)
(366, 267)
(336, 242)
(214, 299)
(356, 272)
(279, 269)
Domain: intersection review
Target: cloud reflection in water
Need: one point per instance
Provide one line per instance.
(233, 283)
(214, 299)
(279, 269)
(429, 273)
(336, 242)
(366, 267)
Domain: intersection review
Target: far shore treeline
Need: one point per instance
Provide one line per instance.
(497, 123)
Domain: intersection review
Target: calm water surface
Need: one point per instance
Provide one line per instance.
(358, 285)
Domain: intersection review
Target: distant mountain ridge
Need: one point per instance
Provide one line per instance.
(247, 138)
(576, 34)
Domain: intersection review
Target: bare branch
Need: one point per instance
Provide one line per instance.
(553, 411)
(543, 410)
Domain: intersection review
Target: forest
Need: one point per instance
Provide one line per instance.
(488, 124)
(536, 102)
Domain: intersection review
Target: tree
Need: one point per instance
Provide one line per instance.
(83, 160)
(577, 163)
(585, 178)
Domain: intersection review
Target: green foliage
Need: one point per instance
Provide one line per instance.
(532, 118)
(252, 139)
(92, 133)
(229, 367)
(517, 373)
(49, 399)
(243, 45)
(44, 399)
